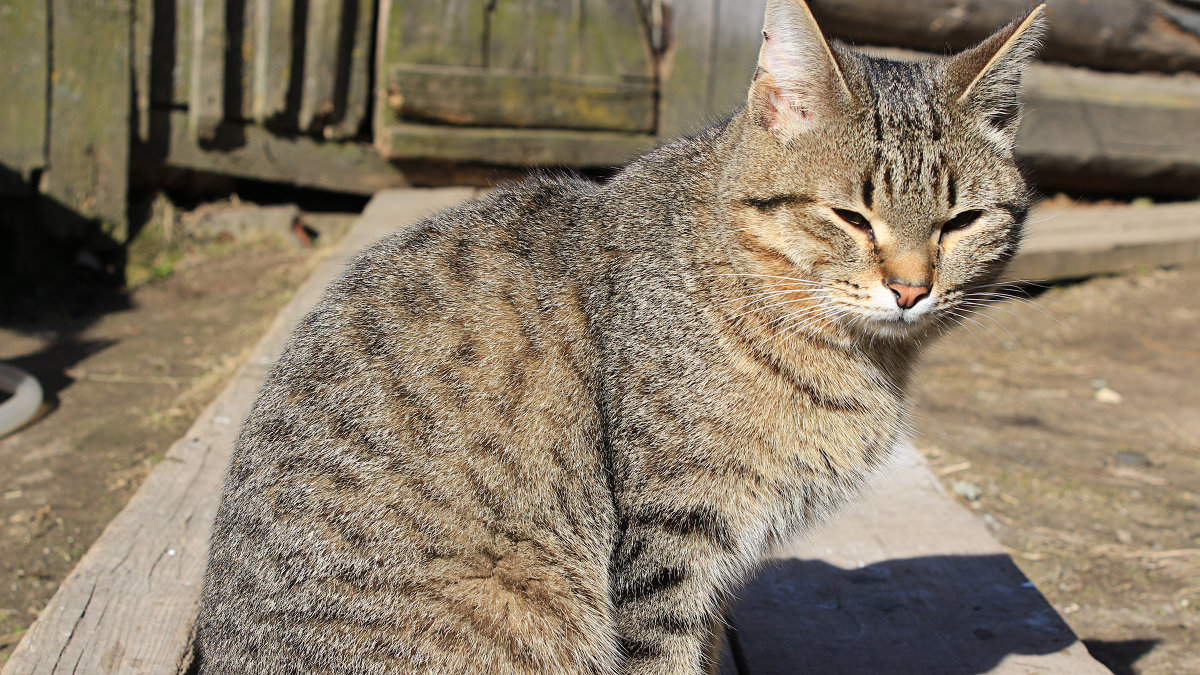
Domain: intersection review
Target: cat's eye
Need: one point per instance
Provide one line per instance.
(961, 221)
(856, 219)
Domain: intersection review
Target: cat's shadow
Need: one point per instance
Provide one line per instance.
(951, 615)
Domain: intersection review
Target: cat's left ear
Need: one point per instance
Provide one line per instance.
(799, 83)
(986, 79)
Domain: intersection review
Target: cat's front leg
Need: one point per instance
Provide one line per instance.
(670, 576)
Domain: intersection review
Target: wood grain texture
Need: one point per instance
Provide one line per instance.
(90, 107)
(906, 582)
(1106, 34)
(297, 160)
(206, 80)
(318, 97)
(450, 33)
(272, 57)
(357, 97)
(478, 97)
(520, 147)
(24, 78)
(686, 67)
(1074, 243)
(130, 604)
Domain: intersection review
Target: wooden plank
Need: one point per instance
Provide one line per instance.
(142, 64)
(357, 98)
(173, 87)
(737, 41)
(535, 37)
(614, 39)
(89, 136)
(479, 97)
(418, 32)
(1074, 243)
(1112, 132)
(130, 604)
(297, 160)
(575, 37)
(905, 582)
(272, 61)
(24, 78)
(1106, 34)
(448, 33)
(318, 98)
(686, 67)
(520, 147)
(206, 86)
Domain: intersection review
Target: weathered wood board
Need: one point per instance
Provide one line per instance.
(528, 64)
(90, 108)
(1073, 243)
(476, 97)
(906, 582)
(1119, 35)
(24, 79)
(354, 168)
(521, 147)
(130, 604)
(206, 78)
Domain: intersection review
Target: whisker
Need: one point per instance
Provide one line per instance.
(778, 304)
(803, 323)
(1073, 205)
(962, 315)
(762, 293)
(1023, 301)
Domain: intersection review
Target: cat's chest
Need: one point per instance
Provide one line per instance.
(824, 424)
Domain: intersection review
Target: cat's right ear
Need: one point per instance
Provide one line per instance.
(799, 83)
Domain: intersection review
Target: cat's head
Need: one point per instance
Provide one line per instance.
(890, 187)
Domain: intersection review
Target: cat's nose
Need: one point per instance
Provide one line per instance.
(907, 295)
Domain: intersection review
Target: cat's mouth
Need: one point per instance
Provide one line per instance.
(882, 315)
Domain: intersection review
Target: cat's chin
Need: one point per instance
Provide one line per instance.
(899, 326)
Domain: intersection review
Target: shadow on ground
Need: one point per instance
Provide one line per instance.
(946, 615)
(1120, 656)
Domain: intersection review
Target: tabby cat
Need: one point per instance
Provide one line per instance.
(553, 429)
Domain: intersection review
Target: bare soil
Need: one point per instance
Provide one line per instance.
(1070, 422)
(125, 372)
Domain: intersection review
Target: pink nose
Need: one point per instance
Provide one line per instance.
(907, 296)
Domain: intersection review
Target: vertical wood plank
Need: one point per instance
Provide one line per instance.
(181, 72)
(318, 96)
(420, 32)
(88, 150)
(24, 77)
(143, 36)
(570, 37)
(358, 95)
(738, 37)
(535, 37)
(206, 88)
(450, 33)
(614, 40)
(272, 58)
(686, 66)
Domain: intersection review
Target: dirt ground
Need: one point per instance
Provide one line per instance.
(126, 373)
(1069, 422)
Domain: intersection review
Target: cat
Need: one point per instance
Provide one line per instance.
(553, 429)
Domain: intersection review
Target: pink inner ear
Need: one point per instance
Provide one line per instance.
(789, 93)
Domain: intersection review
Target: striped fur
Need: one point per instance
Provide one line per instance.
(551, 430)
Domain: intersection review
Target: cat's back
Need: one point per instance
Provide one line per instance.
(421, 470)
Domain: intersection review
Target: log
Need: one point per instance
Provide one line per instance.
(1118, 35)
